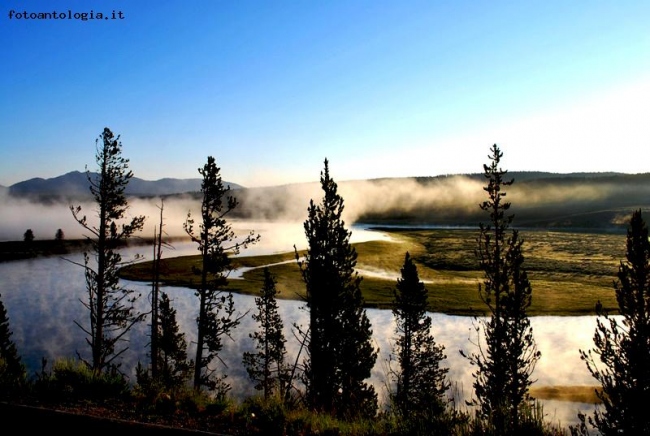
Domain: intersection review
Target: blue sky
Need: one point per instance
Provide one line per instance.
(380, 88)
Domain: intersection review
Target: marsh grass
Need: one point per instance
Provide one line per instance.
(569, 272)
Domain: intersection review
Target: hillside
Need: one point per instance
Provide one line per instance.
(75, 185)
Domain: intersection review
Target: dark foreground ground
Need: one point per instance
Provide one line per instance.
(21, 420)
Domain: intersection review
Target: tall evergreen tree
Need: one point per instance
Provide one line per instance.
(12, 370)
(505, 364)
(622, 346)
(340, 352)
(168, 348)
(111, 306)
(216, 241)
(174, 369)
(266, 367)
(421, 381)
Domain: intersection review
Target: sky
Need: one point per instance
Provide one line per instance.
(272, 88)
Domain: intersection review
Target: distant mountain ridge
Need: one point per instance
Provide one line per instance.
(594, 200)
(521, 176)
(75, 185)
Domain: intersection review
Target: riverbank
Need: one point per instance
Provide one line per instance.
(21, 250)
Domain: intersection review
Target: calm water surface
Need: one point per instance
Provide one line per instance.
(43, 299)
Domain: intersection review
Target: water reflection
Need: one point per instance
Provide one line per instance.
(43, 299)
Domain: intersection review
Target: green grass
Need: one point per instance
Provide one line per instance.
(569, 272)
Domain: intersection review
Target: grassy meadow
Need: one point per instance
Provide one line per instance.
(569, 272)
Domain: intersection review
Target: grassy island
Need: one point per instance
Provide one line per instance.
(569, 272)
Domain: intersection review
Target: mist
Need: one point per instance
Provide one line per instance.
(452, 200)
(18, 215)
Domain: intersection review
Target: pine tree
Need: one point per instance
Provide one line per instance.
(622, 346)
(266, 367)
(174, 368)
(59, 235)
(28, 236)
(111, 306)
(216, 240)
(168, 348)
(12, 370)
(340, 352)
(505, 365)
(421, 381)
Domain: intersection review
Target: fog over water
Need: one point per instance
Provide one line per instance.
(42, 297)
(440, 199)
(17, 215)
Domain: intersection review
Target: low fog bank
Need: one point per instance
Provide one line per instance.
(17, 215)
(585, 202)
(571, 202)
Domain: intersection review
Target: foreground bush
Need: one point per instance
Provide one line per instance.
(13, 380)
(71, 386)
(72, 380)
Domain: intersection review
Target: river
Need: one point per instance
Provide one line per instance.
(43, 299)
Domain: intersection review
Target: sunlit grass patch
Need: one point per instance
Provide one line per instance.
(580, 394)
(569, 272)
(562, 296)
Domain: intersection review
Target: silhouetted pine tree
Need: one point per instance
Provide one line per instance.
(158, 244)
(111, 306)
(420, 381)
(12, 370)
(169, 368)
(266, 366)
(622, 346)
(28, 236)
(505, 364)
(174, 368)
(216, 240)
(340, 351)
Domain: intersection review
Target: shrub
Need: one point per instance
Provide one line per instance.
(72, 380)
(12, 381)
(262, 416)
